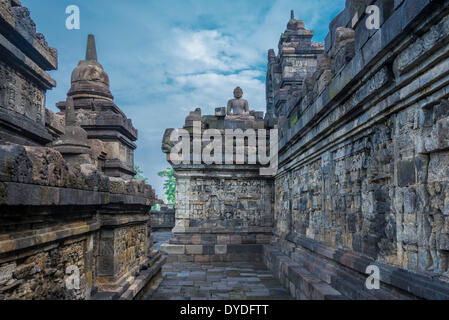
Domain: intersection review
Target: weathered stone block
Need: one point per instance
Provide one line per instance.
(185, 258)
(14, 164)
(244, 249)
(391, 28)
(208, 239)
(196, 239)
(223, 239)
(406, 174)
(372, 47)
(263, 238)
(194, 249)
(23, 270)
(236, 239)
(221, 249)
(410, 9)
(249, 239)
(323, 81)
(202, 258)
(343, 55)
(6, 272)
(173, 248)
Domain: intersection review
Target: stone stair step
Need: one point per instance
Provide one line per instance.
(306, 284)
(351, 283)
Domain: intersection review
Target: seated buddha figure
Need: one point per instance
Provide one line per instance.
(238, 108)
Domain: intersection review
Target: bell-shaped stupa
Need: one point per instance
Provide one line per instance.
(108, 129)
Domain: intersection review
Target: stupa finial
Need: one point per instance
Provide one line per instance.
(91, 51)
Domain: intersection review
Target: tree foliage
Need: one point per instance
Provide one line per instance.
(169, 185)
(139, 174)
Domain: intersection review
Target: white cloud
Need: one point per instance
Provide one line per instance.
(207, 50)
(211, 90)
(203, 50)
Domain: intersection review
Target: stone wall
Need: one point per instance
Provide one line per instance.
(364, 160)
(71, 216)
(223, 216)
(63, 216)
(25, 58)
(42, 275)
(223, 211)
(286, 71)
(215, 201)
(163, 219)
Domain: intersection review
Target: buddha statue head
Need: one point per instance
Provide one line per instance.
(238, 93)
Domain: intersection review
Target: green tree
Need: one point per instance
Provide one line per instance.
(169, 185)
(139, 174)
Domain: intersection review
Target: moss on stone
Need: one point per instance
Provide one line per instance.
(107, 198)
(293, 121)
(9, 168)
(331, 92)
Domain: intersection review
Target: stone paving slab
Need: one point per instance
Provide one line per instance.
(218, 281)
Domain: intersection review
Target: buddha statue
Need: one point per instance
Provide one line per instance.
(238, 108)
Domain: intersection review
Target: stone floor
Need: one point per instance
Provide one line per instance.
(215, 281)
(218, 281)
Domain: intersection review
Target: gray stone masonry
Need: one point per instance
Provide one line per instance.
(218, 281)
(363, 163)
(63, 216)
(223, 211)
(163, 219)
(363, 159)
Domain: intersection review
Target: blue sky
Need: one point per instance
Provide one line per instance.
(166, 58)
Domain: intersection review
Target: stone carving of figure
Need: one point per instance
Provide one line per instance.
(11, 88)
(238, 106)
(444, 248)
(437, 224)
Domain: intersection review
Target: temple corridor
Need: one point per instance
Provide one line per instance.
(215, 281)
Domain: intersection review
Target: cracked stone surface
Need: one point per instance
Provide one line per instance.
(218, 281)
